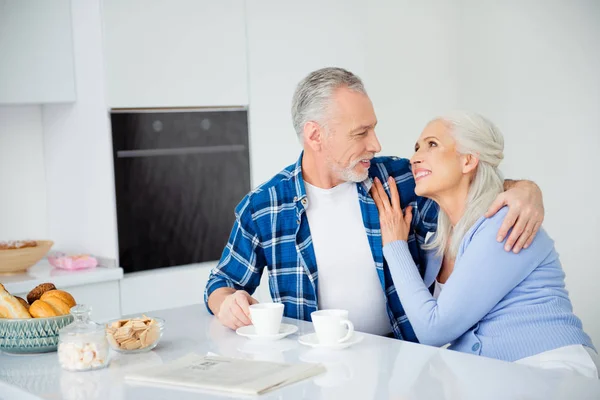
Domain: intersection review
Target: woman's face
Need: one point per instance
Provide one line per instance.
(436, 165)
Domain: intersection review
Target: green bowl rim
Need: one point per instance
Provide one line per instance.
(17, 320)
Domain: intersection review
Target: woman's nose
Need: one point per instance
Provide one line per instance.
(415, 159)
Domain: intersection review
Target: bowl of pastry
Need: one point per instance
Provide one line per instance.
(32, 325)
(17, 256)
(134, 335)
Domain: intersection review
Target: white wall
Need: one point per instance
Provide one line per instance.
(78, 149)
(175, 53)
(287, 40)
(532, 67)
(411, 69)
(22, 175)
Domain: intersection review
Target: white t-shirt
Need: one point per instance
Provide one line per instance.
(347, 275)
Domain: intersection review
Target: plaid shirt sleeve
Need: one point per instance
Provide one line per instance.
(242, 261)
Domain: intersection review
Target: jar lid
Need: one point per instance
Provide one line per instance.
(82, 324)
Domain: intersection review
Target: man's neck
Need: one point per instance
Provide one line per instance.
(316, 172)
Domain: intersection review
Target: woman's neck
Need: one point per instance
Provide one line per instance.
(453, 202)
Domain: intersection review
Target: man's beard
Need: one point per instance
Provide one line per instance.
(348, 174)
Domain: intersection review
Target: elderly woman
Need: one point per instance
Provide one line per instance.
(486, 301)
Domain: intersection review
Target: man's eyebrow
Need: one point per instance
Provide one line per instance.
(363, 128)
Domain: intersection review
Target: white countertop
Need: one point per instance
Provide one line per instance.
(376, 368)
(44, 272)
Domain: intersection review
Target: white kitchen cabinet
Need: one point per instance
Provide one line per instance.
(36, 48)
(172, 287)
(163, 288)
(179, 53)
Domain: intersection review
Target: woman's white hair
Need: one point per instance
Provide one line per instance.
(312, 96)
(478, 136)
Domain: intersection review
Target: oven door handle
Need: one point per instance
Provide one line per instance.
(180, 151)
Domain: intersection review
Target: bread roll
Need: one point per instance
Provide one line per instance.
(22, 301)
(38, 291)
(60, 294)
(41, 309)
(50, 307)
(10, 307)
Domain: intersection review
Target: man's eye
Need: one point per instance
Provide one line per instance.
(362, 133)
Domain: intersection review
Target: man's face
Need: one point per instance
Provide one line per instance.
(350, 142)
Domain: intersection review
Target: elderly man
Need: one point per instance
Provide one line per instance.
(315, 227)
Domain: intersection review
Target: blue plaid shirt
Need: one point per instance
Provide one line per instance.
(271, 230)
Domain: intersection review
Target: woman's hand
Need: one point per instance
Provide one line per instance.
(394, 225)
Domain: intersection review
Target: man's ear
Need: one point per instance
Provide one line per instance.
(470, 162)
(314, 134)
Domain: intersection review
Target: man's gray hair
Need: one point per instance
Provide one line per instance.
(313, 94)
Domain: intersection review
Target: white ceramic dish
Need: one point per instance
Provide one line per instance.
(250, 332)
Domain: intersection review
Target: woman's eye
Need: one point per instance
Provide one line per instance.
(432, 144)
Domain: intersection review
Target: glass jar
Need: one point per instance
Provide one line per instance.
(82, 345)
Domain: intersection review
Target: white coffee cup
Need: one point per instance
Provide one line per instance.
(330, 326)
(266, 318)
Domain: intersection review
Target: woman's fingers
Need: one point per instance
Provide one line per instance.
(384, 202)
(408, 215)
(376, 199)
(394, 194)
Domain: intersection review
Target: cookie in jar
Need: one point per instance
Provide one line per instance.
(82, 345)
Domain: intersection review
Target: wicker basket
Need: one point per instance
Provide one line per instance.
(18, 260)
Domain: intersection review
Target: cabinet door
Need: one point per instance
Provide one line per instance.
(36, 47)
(175, 53)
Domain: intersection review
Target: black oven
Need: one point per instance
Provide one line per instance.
(178, 176)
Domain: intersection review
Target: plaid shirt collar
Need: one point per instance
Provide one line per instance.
(298, 181)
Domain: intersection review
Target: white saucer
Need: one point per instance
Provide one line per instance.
(250, 332)
(312, 341)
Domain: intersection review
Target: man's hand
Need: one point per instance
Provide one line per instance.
(525, 214)
(234, 311)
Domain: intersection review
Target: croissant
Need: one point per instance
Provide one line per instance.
(60, 294)
(51, 307)
(10, 306)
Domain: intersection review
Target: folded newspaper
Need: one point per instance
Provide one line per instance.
(223, 374)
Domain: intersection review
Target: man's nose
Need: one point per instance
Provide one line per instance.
(374, 145)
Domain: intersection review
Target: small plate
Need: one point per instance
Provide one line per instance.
(312, 341)
(250, 332)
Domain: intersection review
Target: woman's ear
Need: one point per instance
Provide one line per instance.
(470, 162)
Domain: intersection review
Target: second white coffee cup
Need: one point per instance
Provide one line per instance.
(330, 326)
(266, 318)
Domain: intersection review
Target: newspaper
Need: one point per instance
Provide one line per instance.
(223, 374)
